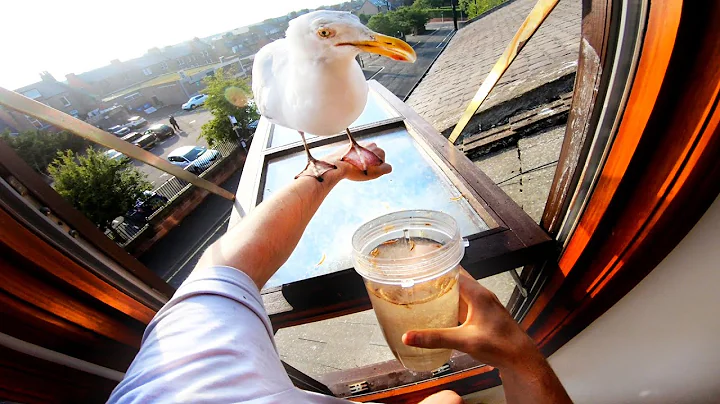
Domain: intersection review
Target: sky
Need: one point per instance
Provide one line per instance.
(74, 36)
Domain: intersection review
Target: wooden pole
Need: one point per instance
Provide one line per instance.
(62, 120)
(533, 21)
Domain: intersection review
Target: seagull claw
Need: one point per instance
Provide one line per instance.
(361, 157)
(315, 169)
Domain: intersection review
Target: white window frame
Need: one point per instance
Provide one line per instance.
(181, 61)
(65, 102)
(147, 71)
(33, 94)
(35, 122)
(164, 65)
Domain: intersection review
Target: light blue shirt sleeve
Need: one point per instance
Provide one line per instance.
(211, 343)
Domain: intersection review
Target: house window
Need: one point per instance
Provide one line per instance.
(181, 62)
(206, 54)
(37, 124)
(147, 71)
(164, 65)
(32, 94)
(65, 102)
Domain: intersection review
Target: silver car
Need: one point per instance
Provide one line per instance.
(195, 159)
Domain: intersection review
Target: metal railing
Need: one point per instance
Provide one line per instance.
(124, 232)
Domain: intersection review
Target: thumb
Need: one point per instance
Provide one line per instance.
(434, 338)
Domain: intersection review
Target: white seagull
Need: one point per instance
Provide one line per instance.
(309, 81)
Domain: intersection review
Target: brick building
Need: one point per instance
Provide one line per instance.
(53, 93)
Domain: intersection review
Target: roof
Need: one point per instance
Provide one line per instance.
(46, 88)
(454, 78)
(149, 59)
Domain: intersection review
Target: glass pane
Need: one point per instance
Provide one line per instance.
(415, 183)
(376, 110)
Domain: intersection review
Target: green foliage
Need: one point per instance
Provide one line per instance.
(473, 8)
(364, 18)
(97, 186)
(39, 148)
(407, 20)
(227, 95)
(422, 4)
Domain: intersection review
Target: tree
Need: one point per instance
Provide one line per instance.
(364, 18)
(97, 186)
(407, 20)
(39, 148)
(227, 96)
(422, 4)
(384, 24)
(473, 8)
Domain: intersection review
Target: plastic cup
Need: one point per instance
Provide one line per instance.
(409, 261)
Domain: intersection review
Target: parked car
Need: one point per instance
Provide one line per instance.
(136, 122)
(119, 130)
(116, 155)
(195, 102)
(132, 137)
(145, 207)
(147, 141)
(252, 126)
(195, 159)
(161, 130)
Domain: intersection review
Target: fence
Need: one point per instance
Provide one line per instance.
(124, 231)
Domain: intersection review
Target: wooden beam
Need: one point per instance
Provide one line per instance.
(533, 21)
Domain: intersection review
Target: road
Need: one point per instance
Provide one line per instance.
(189, 135)
(400, 78)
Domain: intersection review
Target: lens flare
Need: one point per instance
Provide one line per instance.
(236, 96)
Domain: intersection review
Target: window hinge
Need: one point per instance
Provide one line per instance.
(442, 369)
(519, 283)
(359, 387)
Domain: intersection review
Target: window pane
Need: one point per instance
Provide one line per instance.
(375, 110)
(415, 183)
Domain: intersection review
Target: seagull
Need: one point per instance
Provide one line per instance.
(309, 81)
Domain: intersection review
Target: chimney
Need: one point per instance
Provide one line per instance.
(46, 76)
(75, 81)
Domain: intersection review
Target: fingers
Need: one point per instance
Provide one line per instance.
(435, 338)
(375, 149)
(443, 397)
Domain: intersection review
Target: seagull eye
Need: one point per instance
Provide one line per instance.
(325, 33)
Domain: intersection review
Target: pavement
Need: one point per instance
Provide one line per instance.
(399, 77)
(190, 123)
(174, 256)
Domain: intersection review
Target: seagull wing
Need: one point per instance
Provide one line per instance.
(265, 83)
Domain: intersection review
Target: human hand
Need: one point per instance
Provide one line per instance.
(352, 173)
(488, 333)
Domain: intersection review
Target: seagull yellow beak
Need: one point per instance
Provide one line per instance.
(388, 46)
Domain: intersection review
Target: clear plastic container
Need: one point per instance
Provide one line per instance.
(410, 263)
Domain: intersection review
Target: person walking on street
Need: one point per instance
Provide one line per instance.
(174, 123)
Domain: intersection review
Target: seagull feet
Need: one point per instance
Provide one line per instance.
(361, 157)
(316, 168)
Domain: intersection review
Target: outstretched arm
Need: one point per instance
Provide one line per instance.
(264, 239)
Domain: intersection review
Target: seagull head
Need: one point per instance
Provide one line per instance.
(331, 34)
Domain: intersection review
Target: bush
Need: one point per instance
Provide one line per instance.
(39, 148)
(364, 18)
(473, 8)
(99, 187)
(407, 20)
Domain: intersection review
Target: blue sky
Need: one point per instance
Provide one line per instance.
(73, 36)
